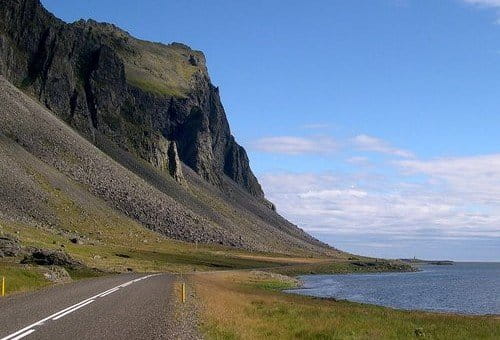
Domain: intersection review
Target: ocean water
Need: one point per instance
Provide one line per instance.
(468, 288)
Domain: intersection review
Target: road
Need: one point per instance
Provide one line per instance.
(130, 306)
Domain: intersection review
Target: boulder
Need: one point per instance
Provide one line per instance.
(56, 274)
(10, 247)
(46, 257)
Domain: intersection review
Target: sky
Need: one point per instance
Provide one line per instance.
(373, 125)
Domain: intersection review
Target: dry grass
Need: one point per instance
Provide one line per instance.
(237, 306)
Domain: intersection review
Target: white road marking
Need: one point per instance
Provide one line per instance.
(126, 284)
(23, 335)
(72, 310)
(109, 292)
(27, 330)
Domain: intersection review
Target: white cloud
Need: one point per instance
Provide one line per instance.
(458, 198)
(358, 160)
(476, 177)
(316, 126)
(369, 143)
(486, 3)
(291, 145)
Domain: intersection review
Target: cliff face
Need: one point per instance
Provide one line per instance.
(109, 121)
(155, 101)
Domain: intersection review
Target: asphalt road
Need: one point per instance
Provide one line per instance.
(131, 306)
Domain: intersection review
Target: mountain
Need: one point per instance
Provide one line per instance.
(138, 126)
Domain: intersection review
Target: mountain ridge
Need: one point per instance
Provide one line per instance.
(158, 145)
(101, 80)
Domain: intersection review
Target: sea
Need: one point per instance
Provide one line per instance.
(464, 287)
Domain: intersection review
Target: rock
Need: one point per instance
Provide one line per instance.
(10, 247)
(174, 163)
(76, 240)
(193, 61)
(166, 158)
(419, 332)
(78, 71)
(56, 274)
(45, 257)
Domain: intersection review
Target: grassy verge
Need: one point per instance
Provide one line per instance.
(243, 305)
(84, 273)
(21, 278)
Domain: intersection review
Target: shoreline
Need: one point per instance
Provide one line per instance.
(432, 311)
(254, 304)
(301, 286)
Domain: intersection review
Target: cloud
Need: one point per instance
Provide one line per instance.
(359, 160)
(485, 3)
(476, 177)
(294, 145)
(369, 143)
(290, 145)
(318, 126)
(453, 199)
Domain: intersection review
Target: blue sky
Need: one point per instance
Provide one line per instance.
(371, 124)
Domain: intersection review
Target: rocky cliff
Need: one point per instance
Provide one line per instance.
(142, 96)
(105, 128)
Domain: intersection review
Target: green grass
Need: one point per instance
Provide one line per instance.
(19, 278)
(152, 86)
(275, 285)
(159, 69)
(83, 273)
(343, 267)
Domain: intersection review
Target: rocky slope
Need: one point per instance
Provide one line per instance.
(142, 95)
(153, 140)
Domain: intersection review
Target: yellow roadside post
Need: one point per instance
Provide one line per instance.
(3, 285)
(183, 285)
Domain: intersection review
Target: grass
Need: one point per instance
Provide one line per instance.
(143, 82)
(159, 69)
(120, 248)
(341, 266)
(275, 285)
(235, 309)
(21, 278)
(83, 273)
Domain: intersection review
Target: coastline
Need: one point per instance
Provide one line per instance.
(304, 285)
(253, 305)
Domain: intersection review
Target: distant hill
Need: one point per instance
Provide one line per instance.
(434, 262)
(99, 117)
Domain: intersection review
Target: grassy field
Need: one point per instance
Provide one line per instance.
(248, 305)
